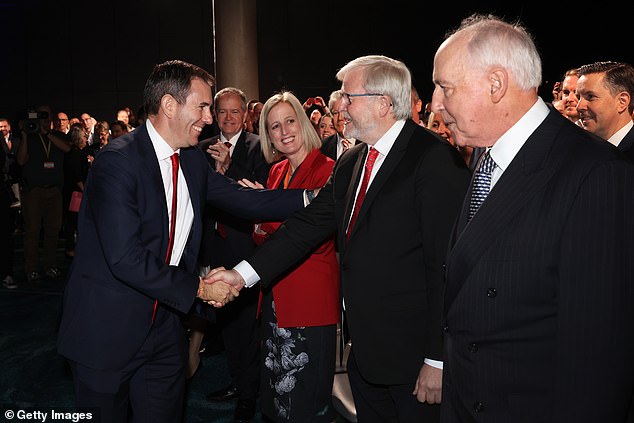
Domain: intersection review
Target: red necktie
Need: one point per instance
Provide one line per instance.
(170, 243)
(369, 164)
(228, 145)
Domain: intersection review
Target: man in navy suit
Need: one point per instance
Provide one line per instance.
(606, 102)
(133, 276)
(235, 153)
(539, 296)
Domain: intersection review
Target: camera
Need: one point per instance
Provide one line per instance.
(32, 122)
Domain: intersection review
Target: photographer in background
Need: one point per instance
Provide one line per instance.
(41, 155)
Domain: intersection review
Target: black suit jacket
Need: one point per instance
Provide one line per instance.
(539, 305)
(329, 146)
(119, 269)
(391, 267)
(247, 161)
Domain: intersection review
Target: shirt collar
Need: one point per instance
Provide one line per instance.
(620, 134)
(233, 140)
(385, 143)
(161, 147)
(509, 144)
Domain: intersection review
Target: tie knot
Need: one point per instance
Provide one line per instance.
(227, 144)
(372, 155)
(174, 158)
(488, 164)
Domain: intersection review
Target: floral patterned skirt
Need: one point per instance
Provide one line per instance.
(298, 370)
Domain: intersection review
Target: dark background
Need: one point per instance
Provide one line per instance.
(94, 56)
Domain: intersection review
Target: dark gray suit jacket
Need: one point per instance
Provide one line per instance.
(539, 304)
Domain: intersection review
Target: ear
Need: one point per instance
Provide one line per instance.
(499, 81)
(386, 105)
(623, 101)
(168, 105)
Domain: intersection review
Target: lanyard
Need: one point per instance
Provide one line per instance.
(47, 148)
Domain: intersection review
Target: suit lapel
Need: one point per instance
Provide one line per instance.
(361, 151)
(192, 186)
(303, 172)
(240, 150)
(387, 167)
(155, 180)
(627, 143)
(526, 175)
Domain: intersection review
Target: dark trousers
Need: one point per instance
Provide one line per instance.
(387, 403)
(241, 338)
(42, 209)
(152, 384)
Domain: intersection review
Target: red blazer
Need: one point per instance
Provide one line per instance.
(308, 295)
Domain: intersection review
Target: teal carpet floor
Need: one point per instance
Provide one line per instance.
(34, 377)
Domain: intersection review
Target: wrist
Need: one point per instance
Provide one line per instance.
(199, 293)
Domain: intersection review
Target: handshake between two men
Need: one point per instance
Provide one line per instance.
(220, 286)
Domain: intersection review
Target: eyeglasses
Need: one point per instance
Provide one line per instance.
(347, 97)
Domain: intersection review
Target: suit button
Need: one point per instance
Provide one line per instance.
(492, 293)
(478, 407)
(473, 348)
(445, 328)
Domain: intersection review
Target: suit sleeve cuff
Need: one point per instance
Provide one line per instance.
(434, 363)
(248, 273)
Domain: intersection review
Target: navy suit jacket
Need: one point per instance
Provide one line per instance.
(119, 269)
(627, 144)
(539, 303)
(247, 161)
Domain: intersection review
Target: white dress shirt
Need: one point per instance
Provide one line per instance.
(620, 134)
(233, 140)
(509, 144)
(184, 209)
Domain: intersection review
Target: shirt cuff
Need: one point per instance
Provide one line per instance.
(434, 363)
(248, 273)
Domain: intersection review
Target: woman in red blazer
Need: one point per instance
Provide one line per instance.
(301, 311)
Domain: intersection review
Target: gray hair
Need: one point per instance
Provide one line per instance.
(493, 42)
(334, 96)
(231, 90)
(387, 76)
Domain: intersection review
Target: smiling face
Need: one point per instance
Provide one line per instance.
(326, 127)
(190, 118)
(123, 116)
(599, 109)
(5, 128)
(231, 114)
(285, 132)
(360, 113)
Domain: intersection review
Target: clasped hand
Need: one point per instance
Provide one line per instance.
(214, 291)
